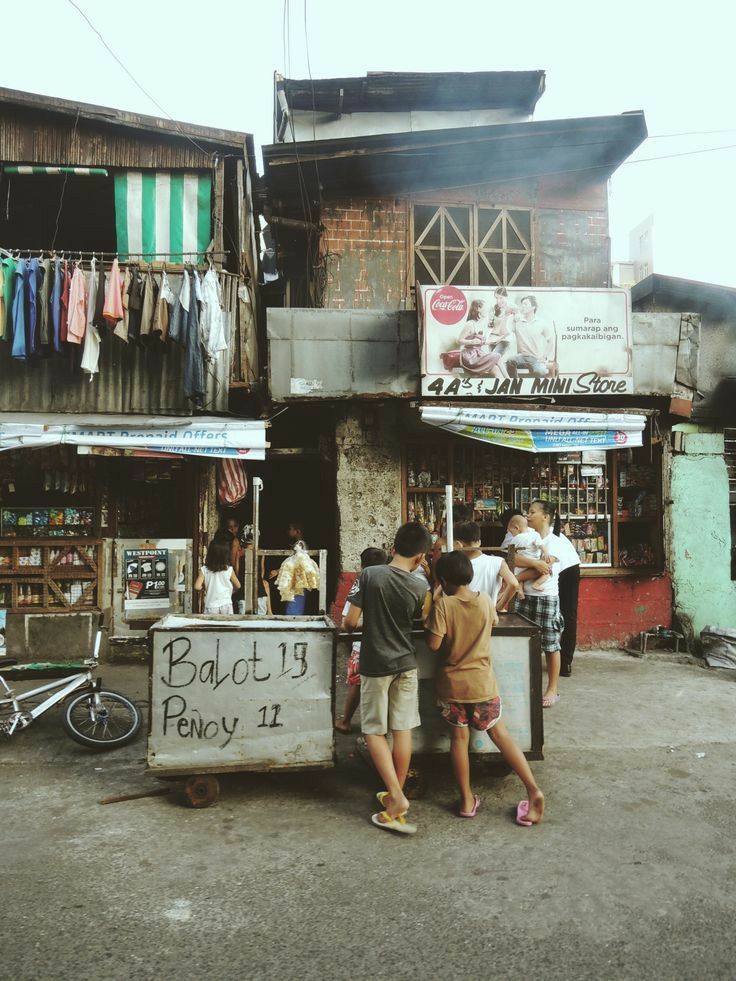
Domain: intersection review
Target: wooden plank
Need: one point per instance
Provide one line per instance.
(219, 207)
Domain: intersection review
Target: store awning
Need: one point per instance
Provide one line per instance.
(205, 436)
(540, 432)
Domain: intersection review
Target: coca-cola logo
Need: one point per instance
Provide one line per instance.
(448, 305)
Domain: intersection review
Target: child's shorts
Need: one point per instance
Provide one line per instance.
(478, 715)
(389, 702)
(354, 666)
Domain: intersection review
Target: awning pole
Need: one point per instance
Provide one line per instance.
(257, 488)
(449, 525)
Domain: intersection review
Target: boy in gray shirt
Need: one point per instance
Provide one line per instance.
(390, 598)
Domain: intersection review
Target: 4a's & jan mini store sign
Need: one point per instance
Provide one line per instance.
(481, 341)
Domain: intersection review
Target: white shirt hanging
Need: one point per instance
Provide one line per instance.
(212, 322)
(91, 352)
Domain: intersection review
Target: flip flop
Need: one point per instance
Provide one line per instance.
(476, 805)
(381, 796)
(522, 809)
(549, 700)
(398, 823)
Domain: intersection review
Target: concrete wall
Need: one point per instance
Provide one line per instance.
(368, 478)
(700, 546)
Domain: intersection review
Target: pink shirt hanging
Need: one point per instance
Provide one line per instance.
(77, 308)
(65, 289)
(113, 311)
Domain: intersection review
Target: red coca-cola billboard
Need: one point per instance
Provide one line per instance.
(486, 341)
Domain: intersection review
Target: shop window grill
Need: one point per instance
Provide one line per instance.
(472, 245)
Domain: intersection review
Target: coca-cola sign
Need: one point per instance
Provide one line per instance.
(448, 305)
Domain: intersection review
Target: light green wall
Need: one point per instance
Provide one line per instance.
(700, 551)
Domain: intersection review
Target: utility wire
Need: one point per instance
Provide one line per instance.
(131, 76)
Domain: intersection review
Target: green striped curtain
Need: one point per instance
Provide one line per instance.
(164, 215)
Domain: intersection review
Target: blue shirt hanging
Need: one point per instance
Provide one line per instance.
(18, 349)
(56, 306)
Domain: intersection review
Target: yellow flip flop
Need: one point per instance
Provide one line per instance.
(398, 823)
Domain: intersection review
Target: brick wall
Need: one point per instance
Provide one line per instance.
(366, 246)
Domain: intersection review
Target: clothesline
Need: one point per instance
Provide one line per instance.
(70, 253)
(54, 306)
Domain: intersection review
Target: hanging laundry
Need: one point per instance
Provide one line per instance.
(66, 284)
(121, 328)
(135, 303)
(91, 353)
(18, 349)
(77, 307)
(44, 299)
(113, 307)
(165, 302)
(56, 287)
(6, 311)
(150, 294)
(99, 318)
(194, 384)
(178, 322)
(31, 291)
(213, 321)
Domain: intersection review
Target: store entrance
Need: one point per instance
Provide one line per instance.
(295, 491)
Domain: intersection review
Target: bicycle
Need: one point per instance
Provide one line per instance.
(96, 717)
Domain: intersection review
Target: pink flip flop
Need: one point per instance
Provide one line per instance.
(550, 700)
(476, 805)
(522, 809)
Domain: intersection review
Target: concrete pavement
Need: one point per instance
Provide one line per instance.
(630, 876)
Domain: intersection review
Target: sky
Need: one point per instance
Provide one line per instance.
(216, 68)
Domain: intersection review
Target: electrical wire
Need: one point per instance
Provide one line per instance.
(131, 76)
(63, 187)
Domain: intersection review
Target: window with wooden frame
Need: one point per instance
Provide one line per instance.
(472, 245)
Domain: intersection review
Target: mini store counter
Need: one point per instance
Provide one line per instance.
(517, 660)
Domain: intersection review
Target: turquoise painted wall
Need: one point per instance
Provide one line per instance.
(701, 533)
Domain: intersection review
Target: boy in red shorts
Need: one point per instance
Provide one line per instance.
(460, 623)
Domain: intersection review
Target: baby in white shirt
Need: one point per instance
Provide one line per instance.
(529, 543)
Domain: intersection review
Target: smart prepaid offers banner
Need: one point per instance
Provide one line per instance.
(479, 341)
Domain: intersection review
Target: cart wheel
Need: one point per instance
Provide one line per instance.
(415, 785)
(201, 790)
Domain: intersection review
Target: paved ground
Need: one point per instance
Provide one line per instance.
(630, 876)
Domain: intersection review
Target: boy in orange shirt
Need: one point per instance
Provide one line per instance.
(460, 623)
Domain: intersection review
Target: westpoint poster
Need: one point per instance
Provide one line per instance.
(484, 341)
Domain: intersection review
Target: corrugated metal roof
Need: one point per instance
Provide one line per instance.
(588, 148)
(693, 296)
(50, 105)
(37, 129)
(381, 91)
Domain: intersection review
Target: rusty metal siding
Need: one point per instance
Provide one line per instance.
(572, 249)
(319, 354)
(30, 137)
(131, 379)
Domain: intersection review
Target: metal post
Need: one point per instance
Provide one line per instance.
(257, 488)
(449, 524)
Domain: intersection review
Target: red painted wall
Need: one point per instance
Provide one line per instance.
(611, 612)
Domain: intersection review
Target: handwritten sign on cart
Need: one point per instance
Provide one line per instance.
(240, 694)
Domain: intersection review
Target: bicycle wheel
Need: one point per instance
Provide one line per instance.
(115, 723)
